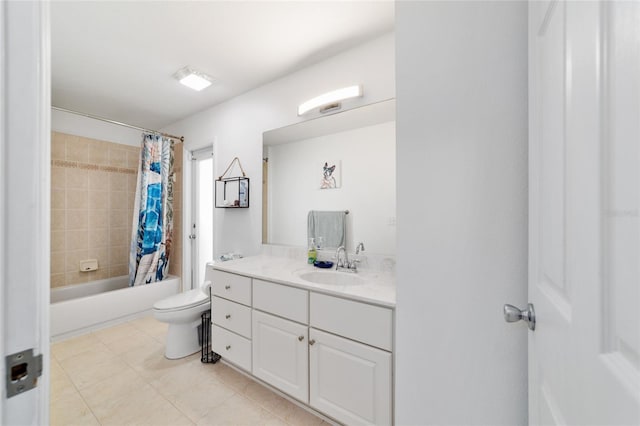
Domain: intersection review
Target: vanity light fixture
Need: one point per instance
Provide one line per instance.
(195, 80)
(330, 100)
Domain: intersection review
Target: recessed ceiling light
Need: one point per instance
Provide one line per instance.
(195, 80)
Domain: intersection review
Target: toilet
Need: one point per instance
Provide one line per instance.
(183, 314)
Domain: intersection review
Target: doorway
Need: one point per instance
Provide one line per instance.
(201, 224)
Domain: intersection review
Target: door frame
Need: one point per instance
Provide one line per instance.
(3, 150)
(25, 117)
(192, 213)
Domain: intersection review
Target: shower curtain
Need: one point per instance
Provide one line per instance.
(153, 212)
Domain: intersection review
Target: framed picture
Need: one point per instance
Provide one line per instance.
(331, 173)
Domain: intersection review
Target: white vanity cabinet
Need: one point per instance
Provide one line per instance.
(280, 336)
(349, 381)
(231, 319)
(232, 287)
(330, 352)
(280, 354)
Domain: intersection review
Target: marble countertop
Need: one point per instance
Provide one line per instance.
(379, 287)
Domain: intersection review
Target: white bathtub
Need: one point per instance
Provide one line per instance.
(77, 309)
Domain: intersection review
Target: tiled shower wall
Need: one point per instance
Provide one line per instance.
(175, 260)
(93, 186)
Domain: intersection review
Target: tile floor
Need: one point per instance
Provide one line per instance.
(119, 376)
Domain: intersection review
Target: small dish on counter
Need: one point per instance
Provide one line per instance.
(323, 264)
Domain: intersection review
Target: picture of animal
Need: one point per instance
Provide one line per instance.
(328, 179)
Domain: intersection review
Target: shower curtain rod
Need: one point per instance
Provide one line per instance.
(106, 120)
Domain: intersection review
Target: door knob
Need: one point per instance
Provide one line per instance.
(513, 314)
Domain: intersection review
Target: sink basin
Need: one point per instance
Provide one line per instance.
(332, 278)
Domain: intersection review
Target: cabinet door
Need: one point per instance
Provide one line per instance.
(349, 381)
(280, 354)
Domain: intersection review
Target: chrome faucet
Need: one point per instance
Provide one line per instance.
(359, 248)
(343, 263)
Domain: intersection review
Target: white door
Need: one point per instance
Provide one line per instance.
(584, 281)
(349, 381)
(201, 226)
(24, 207)
(280, 354)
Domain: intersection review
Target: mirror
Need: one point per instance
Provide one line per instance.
(341, 162)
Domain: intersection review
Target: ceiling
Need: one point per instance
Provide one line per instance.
(116, 59)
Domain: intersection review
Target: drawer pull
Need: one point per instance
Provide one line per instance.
(228, 347)
(227, 287)
(300, 338)
(312, 342)
(228, 316)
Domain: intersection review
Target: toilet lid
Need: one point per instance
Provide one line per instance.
(182, 300)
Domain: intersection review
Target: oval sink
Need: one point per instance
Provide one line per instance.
(332, 278)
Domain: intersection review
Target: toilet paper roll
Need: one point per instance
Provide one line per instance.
(205, 287)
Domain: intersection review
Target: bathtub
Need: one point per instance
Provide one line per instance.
(77, 309)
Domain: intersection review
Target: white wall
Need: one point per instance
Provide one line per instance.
(462, 212)
(89, 128)
(368, 175)
(237, 125)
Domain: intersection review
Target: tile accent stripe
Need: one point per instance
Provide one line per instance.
(87, 166)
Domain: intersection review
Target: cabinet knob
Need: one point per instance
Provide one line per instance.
(228, 347)
(300, 338)
(227, 287)
(311, 342)
(228, 316)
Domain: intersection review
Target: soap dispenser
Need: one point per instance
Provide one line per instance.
(312, 254)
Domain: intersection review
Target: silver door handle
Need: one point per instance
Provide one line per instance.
(513, 314)
(192, 236)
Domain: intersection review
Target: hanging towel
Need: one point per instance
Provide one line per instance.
(330, 225)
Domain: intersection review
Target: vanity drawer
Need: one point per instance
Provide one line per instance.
(359, 321)
(230, 346)
(232, 316)
(281, 300)
(231, 286)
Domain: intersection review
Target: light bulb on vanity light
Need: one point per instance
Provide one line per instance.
(330, 100)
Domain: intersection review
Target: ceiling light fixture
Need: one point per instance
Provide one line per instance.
(330, 100)
(193, 79)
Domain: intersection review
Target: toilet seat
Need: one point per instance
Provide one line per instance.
(181, 301)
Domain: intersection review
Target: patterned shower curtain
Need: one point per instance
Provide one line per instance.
(152, 229)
